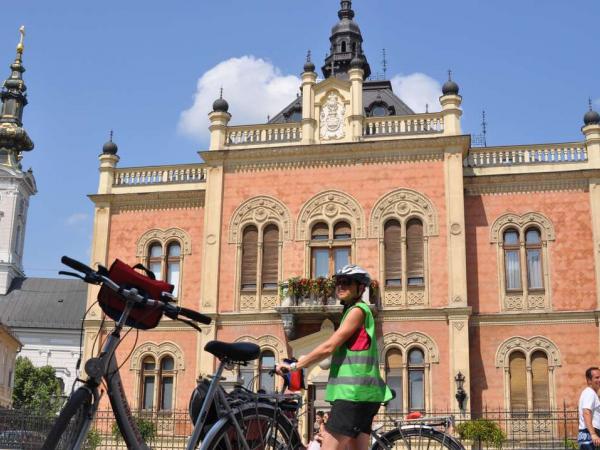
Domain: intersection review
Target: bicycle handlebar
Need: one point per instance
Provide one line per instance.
(170, 310)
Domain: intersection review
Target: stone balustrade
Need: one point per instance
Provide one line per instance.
(417, 124)
(141, 176)
(263, 134)
(521, 155)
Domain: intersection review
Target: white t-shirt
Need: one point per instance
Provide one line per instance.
(589, 400)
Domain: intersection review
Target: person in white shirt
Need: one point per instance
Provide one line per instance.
(589, 412)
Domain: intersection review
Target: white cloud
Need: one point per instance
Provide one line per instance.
(418, 90)
(76, 219)
(597, 101)
(253, 87)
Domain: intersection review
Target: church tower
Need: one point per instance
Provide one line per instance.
(16, 186)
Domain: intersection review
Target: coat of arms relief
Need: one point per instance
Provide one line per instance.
(332, 118)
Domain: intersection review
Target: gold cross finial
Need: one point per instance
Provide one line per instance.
(20, 45)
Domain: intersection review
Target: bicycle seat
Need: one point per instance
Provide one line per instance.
(236, 352)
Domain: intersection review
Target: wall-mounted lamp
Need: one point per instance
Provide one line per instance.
(461, 395)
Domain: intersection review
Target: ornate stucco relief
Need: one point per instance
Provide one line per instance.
(260, 211)
(406, 342)
(163, 236)
(527, 346)
(332, 118)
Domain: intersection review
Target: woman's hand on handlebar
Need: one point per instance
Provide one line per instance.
(282, 368)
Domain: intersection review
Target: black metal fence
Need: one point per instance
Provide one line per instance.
(169, 430)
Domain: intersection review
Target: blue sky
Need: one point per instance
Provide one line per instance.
(136, 67)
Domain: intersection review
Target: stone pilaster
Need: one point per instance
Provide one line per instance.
(218, 129)
(458, 329)
(592, 142)
(309, 123)
(356, 99)
(595, 208)
(452, 114)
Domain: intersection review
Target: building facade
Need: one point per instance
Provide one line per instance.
(487, 259)
(44, 314)
(9, 347)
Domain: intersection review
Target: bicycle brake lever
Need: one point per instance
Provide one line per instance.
(71, 274)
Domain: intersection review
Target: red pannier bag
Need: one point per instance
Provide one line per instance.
(142, 317)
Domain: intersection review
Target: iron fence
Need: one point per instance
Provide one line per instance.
(165, 430)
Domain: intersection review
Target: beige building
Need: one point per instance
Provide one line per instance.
(9, 347)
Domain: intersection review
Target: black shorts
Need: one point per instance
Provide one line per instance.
(351, 418)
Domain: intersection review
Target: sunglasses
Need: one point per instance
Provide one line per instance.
(343, 282)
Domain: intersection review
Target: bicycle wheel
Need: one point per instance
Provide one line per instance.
(63, 434)
(418, 438)
(259, 431)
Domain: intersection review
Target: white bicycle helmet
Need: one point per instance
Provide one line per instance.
(356, 273)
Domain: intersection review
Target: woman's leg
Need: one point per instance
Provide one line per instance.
(334, 441)
(360, 442)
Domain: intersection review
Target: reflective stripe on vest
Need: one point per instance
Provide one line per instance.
(359, 381)
(338, 360)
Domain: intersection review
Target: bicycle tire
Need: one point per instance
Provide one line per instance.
(418, 438)
(255, 423)
(63, 434)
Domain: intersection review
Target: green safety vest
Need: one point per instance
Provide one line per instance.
(354, 375)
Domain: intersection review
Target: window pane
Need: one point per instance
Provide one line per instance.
(518, 382)
(267, 362)
(415, 357)
(532, 236)
(247, 376)
(155, 268)
(173, 276)
(342, 231)
(512, 269)
(149, 364)
(167, 393)
(534, 269)
(155, 251)
(174, 250)
(249, 257)
(321, 262)
(393, 376)
(167, 363)
(511, 237)
(320, 232)
(148, 398)
(393, 253)
(414, 252)
(416, 391)
(270, 260)
(342, 257)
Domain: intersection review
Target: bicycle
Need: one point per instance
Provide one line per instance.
(244, 420)
(415, 434)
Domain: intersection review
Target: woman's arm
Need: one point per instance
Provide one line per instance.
(354, 320)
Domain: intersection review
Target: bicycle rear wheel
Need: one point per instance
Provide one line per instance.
(418, 438)
(259, 431)
(65, 431)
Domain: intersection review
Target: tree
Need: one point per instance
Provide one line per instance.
(36, 388)
(482, 431)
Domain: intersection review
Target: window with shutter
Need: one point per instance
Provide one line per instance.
(249, 258)
(320, 232)
(342, 231)
(392, 253)
(270, 259)
(414, 253)
(518, 382)
(539, 375)
(393, 377)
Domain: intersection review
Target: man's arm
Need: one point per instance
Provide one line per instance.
(587, 418)
(353, 321)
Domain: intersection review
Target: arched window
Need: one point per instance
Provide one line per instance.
(393, 377)
(148, 382)
(393, 253)
(249, 258)
(540, 383)
(512, 261)
(270, 257)
(533, 250)
(155, 259)
(414, 253)
(266, 363)
(343, 47)
(174, 266)
(167, 378)
(328, 256)
(518, 382)
(416, 380)
(247, 375)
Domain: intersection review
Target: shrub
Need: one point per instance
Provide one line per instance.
(482, 431)
(146, 427)
(93, 440)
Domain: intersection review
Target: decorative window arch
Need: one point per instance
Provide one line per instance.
(157, 367)
(330, 208)
(414, 354)
(163, 237)
(265, 214)
(531, 349)
(403, 221)
(523, 260)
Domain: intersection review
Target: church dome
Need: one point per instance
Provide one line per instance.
(450, 88)
(110, 148)
(591, 118)
(220, 105)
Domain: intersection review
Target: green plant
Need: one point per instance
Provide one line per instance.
(93, 440)
(146, 427)
(36, 388)
(482, 431)
(571, 444)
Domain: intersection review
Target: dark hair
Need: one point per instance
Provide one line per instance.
(320, 413)
(588, 373)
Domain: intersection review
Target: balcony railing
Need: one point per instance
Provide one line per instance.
(263, 134)
(522, 155)
(143, 176)
(412, 125)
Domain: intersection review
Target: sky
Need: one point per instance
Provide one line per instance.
(150, 71)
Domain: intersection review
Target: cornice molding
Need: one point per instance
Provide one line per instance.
(524, 318)
(331, 155)
(150, 201)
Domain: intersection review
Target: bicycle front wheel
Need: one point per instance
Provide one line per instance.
(417, 438)
(259, 431)
(72, 419)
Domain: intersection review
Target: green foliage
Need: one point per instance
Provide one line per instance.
(482, 431)
(571, 444)
(93, 440)
(36, 388)
(146, 427)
